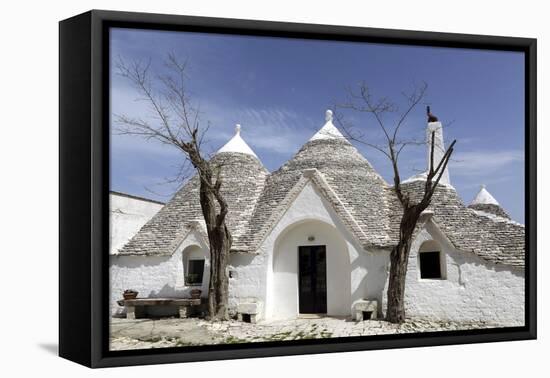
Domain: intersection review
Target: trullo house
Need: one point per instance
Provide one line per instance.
(315, 236)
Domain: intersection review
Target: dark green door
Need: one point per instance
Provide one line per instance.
(312, 262)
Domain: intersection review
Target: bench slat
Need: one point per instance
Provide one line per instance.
(159, 301)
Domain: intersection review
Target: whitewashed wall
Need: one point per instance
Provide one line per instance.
(127, 216)
(247, 280)
(347, 263)
(156, 276)
(474, 289)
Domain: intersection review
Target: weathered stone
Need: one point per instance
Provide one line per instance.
(130, 312)
(249, 308)
(249, 311)
(362, 306)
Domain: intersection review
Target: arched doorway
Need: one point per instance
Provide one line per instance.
(311, 271)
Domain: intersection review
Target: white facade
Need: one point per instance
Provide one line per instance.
(471, 288)
(127, 215)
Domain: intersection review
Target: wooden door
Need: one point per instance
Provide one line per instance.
(312, 280)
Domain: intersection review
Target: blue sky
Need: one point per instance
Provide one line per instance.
(278, 90)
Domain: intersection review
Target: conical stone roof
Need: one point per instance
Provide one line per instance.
(351, 177)
(484, 201)
(243, 178)
(366, 203)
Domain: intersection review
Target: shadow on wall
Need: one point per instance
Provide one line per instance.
(170, 291)
(167, 291)
(372, 285)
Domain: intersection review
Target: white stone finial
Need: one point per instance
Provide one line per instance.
(483, 186)
(328, 131)
(484, 198)
(237, 144)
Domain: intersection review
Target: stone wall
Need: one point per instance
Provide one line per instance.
(473, 289)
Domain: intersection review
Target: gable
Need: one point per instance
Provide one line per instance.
(312, 198)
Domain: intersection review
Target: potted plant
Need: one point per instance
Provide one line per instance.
(196, 293)
(130, 294)
(192, 279)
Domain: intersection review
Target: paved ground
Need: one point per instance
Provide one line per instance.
(170, 332)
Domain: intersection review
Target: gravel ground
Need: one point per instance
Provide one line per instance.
(175, 332)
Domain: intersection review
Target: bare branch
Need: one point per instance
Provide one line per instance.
(414, 99)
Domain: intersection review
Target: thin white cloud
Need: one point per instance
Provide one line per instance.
(271, 130)
(476, 163)
(489, 181)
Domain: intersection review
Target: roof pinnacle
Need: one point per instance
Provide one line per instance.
(237, 144)
(483, 197)
(328, 131)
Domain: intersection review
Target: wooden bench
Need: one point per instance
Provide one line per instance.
(183, 304)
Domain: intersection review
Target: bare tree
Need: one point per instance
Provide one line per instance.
(176, 122)
(361, 100)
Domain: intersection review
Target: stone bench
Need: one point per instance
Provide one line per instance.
(364, 309)
(248, 312)
(183, 304)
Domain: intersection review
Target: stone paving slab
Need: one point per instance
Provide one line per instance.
(176, 332)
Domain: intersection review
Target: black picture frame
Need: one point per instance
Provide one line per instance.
(84, 187)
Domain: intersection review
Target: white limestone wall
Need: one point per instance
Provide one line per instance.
(352, 273)
(247, 280)
(474, 289)
(157, 276)
(127, 216)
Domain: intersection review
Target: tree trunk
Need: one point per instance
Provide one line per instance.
(399, 257)
(220, 244)
(220, 241)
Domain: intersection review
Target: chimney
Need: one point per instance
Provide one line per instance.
(439, 149)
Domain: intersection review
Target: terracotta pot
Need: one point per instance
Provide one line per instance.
(130, 294)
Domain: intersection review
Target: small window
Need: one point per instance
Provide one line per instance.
(430, 265)
(195, 270)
